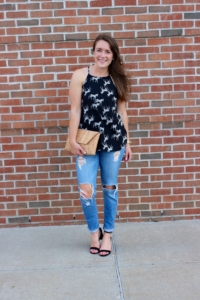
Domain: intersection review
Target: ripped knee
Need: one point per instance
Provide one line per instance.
(86, 190)
(110, 187)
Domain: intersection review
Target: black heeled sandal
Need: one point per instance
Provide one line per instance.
(100, 238)
(105, 251)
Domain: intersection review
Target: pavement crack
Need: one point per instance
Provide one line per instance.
(117, 269)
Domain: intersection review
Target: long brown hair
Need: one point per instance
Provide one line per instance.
(116, 68)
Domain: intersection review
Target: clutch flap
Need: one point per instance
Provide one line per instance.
(85, 136)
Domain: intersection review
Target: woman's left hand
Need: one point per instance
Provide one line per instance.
(128, 153)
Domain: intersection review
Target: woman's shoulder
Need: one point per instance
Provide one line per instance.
(80, 74)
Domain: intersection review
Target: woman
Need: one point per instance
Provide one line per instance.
(98, 96)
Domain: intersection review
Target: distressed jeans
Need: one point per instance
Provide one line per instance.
(87, 169)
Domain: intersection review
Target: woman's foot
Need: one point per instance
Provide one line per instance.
(106, 244)
(95, 237)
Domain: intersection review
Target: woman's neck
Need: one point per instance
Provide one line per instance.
(99, 72)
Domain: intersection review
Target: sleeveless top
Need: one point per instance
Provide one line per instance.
(99, 112)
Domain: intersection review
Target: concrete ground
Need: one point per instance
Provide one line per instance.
(149, 261)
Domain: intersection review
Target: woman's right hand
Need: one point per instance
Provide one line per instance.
(77, 149)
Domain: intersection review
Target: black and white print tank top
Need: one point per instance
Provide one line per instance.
(99, 112)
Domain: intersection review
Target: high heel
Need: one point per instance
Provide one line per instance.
(100, 238)
(105, 251)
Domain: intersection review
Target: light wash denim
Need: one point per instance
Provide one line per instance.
(87, 169)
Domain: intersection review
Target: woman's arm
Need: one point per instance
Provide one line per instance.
(121, 109)
(75, 92)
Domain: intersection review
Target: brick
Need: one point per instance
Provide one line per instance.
(182, 55)
(164, 56)
(39, 204)
(112, 11)
(28, 22)
(192, 211)
(7, 39)
(38, 190)
(7, 24)
(18, 220)
(16, 191)
(160, 192)
(75, 20)
(183, 7)
(100, 3)
(7, 7)
(102, 20)
(27, 6)
(156, 41)
(40, 219)
(157, 9)
(181, 40)
(153, 25)
(52, 37)
(151, 156)
(160, 72)
(171, 32)
(3, 220)
(88, 12)
(89, 28)
(41, 14)
(192, 32)
(28, 38)
(12, 147)
(147, 17)
(148, 2)
(184, 71)
(156, 163)
(192, 63)
(19, 78)
(131, 26)
(150, 213)
(184, 87)
(50, 21)
(118, 35)
(195, 15)
(170, 17)
(76, 36)
(161, 88)
(173, 64)
(160, 133)
(171, 48)
(172, 2)
(173, 212)
(52, 5)
(16, 63)
(17, 14)
(40, 77)
(149, 65)
(46, 93)
(135, 10)
(173, 80)
(6, 199)
(138, 206)
(76, 4)
(39, 30)
(22, 212)
(64, 217)
(11, 132)
(182, 24)
(12, 31)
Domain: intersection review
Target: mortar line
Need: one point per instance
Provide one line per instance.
(117, 269)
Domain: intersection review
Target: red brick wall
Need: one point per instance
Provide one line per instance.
(41, 44)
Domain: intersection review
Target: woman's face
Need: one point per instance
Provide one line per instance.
(102, 54)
